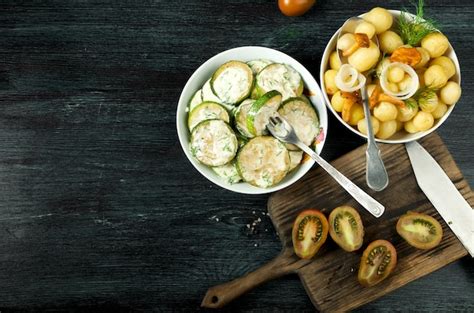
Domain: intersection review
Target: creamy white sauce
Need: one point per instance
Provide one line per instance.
(295, 159)
(195, 100)
(264, 114)
(303, 118)
(264, 161)
(241, 121)
(228, 172)
(258, 65)
(207, 111)
(213, 143)
(207, 94)
(280, 77)
(232, 84)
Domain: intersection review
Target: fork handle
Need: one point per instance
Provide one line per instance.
(369, 203)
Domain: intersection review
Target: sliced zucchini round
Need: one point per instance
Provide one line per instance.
(258, 65)
(241, 117)
(263, 161)
(228, 172)
(280, 77)
(207, 94)
(295, 159)
(302, 116)
(207, 111)
(261, 111)
(195, 100)
(213, 143)
(255, 94)
(232, 82)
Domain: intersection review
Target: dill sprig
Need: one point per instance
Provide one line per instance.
(411, 103)
(426, 97)
(412, 30)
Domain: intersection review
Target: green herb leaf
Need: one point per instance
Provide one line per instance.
(412, 31)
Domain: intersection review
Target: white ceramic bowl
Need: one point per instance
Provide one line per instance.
(200, 76)
(399, 137)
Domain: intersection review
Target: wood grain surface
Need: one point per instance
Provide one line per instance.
(100, 209)
(336, 269)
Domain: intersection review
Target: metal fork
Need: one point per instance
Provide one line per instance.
(283, 131)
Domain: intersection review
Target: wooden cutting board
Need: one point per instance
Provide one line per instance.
(330, 279)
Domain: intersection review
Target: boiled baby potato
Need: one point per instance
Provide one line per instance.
(399, 125)
(334, 61)
(380, 18)
(330, 81)
(406, 81)
(396, 74)
(440, 110)
(446, 63)
(435, 76)
(364, 59)
(362, 125)
(421, 76)
(346, 41)
(385, 111)
(425, 57)
(407, 112)
(365, 28)
(357, 113)
(423, 121)
(387, 129)
(337, 102)
(392, 87)
(410, 127)
(389, 41)
(436, 44)
(450, 93)
(428, 101)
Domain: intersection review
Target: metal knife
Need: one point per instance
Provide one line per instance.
(442, 193)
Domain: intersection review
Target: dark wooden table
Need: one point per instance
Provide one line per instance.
(100, 209)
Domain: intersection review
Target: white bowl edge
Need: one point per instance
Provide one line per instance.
(246, 53)
(407, 137)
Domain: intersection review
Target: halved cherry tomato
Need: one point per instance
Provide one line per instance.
(345, 228)
(295, 7)
(420, 230)
(377, 262)
(310, 231)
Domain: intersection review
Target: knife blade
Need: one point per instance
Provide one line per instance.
(443, 194)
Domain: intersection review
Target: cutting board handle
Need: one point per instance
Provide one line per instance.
(220, 295)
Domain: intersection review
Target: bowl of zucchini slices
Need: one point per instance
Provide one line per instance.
(223, 111)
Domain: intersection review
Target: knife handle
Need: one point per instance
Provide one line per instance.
(218, 296)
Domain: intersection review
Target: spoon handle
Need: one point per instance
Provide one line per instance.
(369, 203)
(376, 174)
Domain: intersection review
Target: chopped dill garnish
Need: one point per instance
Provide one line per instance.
(413, 30)
(426, 97)
(411, 103)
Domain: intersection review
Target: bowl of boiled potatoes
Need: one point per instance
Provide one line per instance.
(410, 70)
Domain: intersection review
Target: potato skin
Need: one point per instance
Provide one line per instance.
(389, 41)
(436, 44)
(450, 93)
(363, 59)
(380, 18)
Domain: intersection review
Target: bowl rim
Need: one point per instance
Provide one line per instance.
(249, 189)
(416, 136)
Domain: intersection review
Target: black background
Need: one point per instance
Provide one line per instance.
(100, 209)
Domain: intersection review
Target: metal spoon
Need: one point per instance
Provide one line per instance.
(376, 174)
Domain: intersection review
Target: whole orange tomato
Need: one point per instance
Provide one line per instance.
(295, 7)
